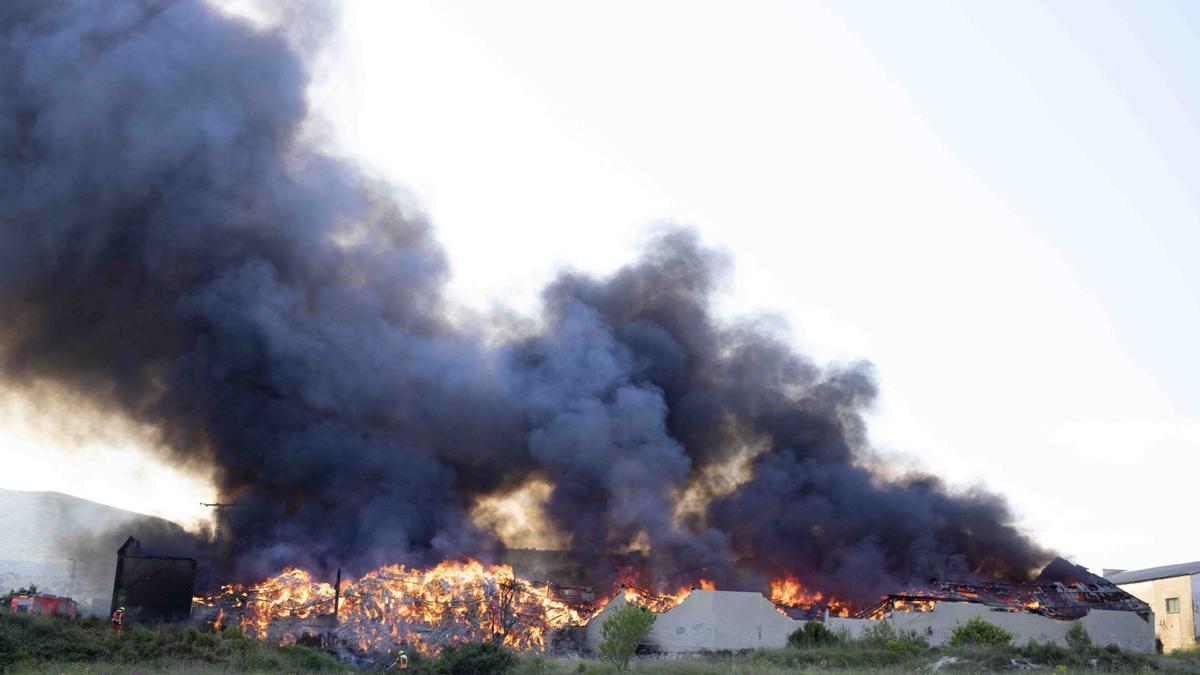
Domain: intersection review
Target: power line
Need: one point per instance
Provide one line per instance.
(218, 516)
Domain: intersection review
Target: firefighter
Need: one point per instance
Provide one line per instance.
(401, 662)
(118, 618)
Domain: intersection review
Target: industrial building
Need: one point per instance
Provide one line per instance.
(1171, 591)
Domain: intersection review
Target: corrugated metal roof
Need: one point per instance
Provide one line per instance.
(1164, 572)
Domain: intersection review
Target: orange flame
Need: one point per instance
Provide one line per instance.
(420, 608)
(789, 592)
(425, 609)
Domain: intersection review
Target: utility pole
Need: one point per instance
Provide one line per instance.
(71, 581)
(337, 596)
(218, 517)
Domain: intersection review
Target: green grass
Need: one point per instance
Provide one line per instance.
(32, 644)
(41, 644)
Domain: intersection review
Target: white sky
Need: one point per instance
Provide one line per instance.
(996, 203)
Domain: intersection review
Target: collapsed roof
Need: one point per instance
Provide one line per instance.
(1063, 591)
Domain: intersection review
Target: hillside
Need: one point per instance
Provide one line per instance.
(64, 544)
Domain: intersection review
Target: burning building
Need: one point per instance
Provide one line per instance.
(1042, 610)
(455, 602)
(1061, 591)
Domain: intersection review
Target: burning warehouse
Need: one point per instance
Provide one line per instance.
(1042, 610)
(456, 602)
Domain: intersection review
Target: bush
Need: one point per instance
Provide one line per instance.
(1046, 653)
(471, 658)
(54, 643)
(812, 634)
(882, 635)
(623, 632)
(1078, 638)
(979, 633)
(878, 633)
(535, 665)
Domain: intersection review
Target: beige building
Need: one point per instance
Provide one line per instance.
(1172, 591)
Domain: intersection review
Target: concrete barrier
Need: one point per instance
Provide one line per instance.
(729, 620)
(709, 620)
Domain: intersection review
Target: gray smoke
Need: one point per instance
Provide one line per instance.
(176, 248)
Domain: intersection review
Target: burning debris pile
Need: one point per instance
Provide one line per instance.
(394, 605)
(422, 609)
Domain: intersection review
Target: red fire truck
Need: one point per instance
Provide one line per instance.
(45, 604)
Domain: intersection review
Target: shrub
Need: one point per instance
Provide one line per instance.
(878, 633)
(812, 634)
(1046, 653)
(882, 635)
(980, 633)
(471, 658)
(535, 665)
(53, 642)
(623, 632)
(1078, 638)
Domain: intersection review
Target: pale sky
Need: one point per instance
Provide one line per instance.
(995, 203)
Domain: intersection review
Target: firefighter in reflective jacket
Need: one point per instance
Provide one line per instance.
(401, 661)
(118, 618)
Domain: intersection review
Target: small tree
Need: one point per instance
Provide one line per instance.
(1078, 638)
(979, 633)
(812, 634)
(471, 658)
(882, 635)
(623, 632)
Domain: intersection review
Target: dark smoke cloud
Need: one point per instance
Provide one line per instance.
(178, 249)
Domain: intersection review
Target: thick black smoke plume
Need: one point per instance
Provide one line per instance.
(176, 247)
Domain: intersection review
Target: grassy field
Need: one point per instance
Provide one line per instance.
(30, 644)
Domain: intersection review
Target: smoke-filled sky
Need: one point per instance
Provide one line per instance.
(1000, 229)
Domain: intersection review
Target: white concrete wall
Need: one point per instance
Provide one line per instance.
(710, 620)
(724, 620)
(1125, 629)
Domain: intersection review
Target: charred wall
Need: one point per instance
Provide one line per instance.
(153, 588)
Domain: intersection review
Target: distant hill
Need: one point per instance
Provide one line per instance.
(41, 532)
